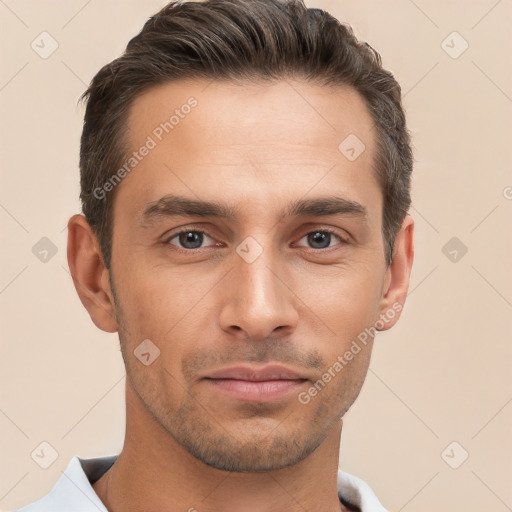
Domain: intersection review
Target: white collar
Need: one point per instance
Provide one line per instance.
(74, 489)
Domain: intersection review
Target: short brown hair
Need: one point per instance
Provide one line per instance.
(241, 40)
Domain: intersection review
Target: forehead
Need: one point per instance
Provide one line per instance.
(221, 139)
(306, 111)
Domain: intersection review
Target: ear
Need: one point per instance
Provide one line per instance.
(89, 274)
(396, 282)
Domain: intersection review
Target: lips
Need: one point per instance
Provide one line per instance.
(256, 384)
(274, 372)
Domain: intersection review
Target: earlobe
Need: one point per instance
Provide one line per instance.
(89, 274)
(398, 275)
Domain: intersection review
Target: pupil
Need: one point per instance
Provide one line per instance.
(191, 237)
(322, 238)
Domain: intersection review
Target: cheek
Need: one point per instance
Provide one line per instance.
(161, 305)
(348, 305)
(155, 297)
(347, 300)
(331, 396)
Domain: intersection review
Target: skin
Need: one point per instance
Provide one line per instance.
(301, 303)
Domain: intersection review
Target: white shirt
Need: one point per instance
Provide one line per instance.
(73, 491)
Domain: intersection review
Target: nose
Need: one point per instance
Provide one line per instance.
(258, 302)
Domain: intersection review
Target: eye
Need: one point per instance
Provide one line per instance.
(188, 239)
(322, 238)
(192, 239)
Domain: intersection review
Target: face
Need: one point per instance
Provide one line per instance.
(253, 299)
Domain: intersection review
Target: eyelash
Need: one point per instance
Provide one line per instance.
(334, 232)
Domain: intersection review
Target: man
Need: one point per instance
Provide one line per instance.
(245, 175)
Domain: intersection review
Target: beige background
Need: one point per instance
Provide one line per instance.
(441, 375)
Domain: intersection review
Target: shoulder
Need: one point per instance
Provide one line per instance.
(355, 491)
(73, 488)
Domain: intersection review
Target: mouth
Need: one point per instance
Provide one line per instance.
(256, 384)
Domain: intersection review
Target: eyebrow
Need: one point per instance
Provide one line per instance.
(180, 206)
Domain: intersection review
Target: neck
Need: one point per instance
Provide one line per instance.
(154, 473)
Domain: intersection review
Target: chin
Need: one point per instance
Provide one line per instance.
(260, 454)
